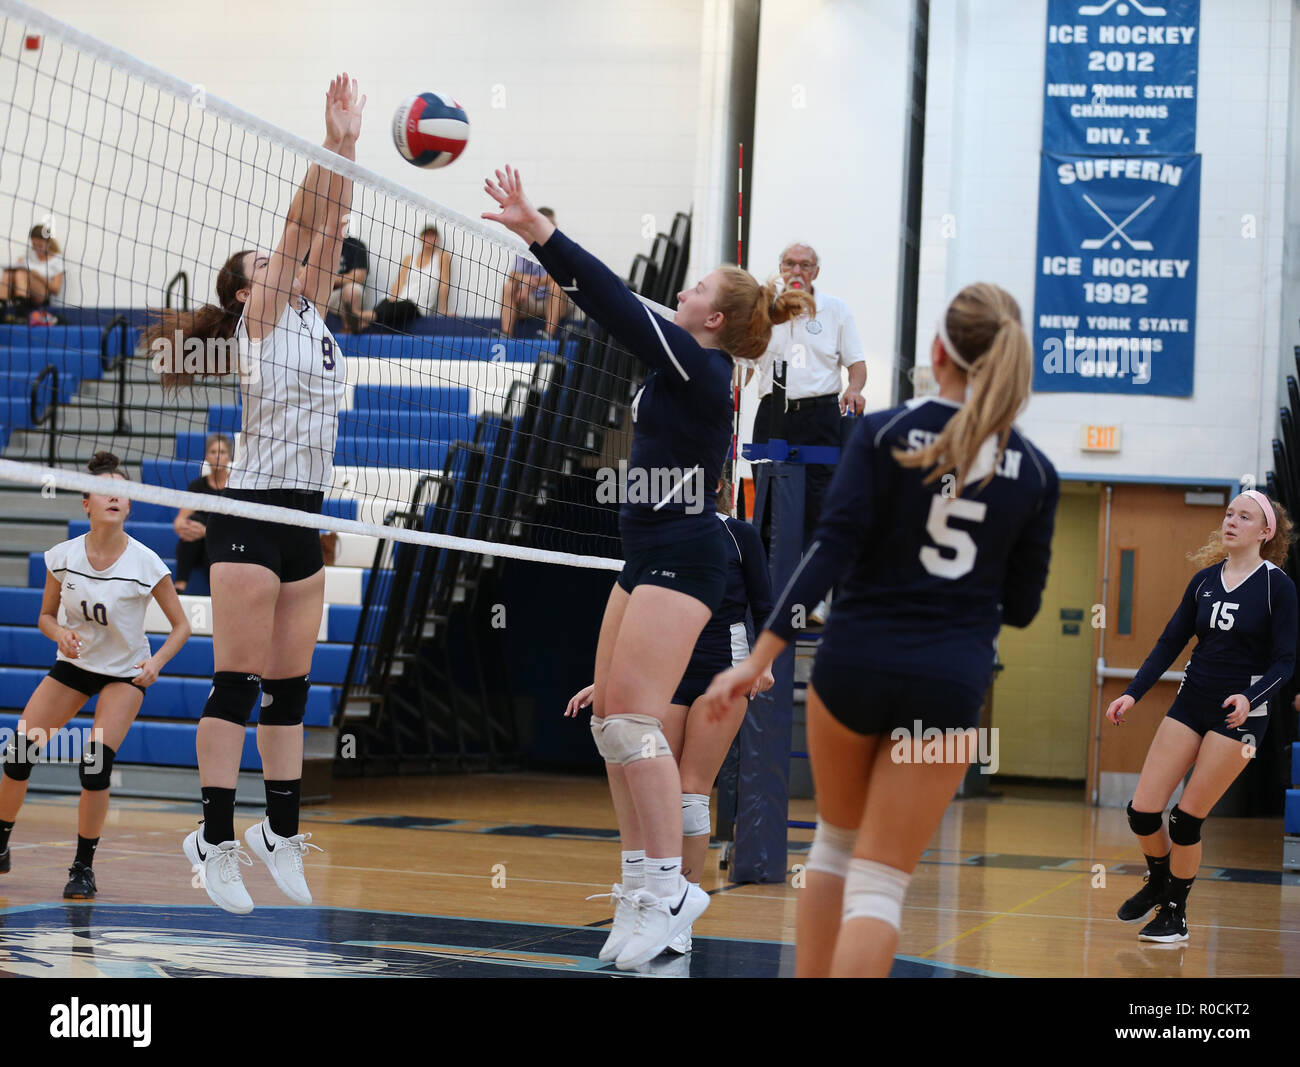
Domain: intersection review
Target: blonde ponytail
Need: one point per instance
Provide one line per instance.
(750, 310)
(983, 325)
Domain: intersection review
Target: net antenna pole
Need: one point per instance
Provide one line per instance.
(735, 379)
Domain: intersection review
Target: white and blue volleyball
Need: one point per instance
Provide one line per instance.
(430, 130)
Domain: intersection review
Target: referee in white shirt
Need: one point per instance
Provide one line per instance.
(813, 350)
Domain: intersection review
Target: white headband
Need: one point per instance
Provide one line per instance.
(948, 346)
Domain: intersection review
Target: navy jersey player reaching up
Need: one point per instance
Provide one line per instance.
(1241, 608)
(699, 744)
(939, 524)
(674, 573)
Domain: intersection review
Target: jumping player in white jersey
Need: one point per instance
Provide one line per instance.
(939, 524)
(103, 581)
(1241, 608)
(268, 580)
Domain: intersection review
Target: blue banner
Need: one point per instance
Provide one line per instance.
(1115, 300)
(1121, 77)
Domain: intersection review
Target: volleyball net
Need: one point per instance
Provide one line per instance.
(503, 439)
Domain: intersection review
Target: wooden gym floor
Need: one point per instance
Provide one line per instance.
(487, 875)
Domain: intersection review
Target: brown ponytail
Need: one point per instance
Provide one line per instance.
(750, 310)
(1274, 550)
(983, 324)
(167, 334)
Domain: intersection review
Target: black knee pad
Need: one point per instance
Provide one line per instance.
(1144, 823)
(233, 696)
(284, 701)
(18, 757)
(96, 766)
(1184, 829)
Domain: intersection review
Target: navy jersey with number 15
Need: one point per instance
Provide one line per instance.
(929, 576)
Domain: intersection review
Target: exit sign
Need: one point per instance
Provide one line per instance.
(1101, 438)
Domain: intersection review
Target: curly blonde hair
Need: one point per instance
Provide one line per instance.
(1274, 550)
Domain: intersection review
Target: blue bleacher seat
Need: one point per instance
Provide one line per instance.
(411, 399)
(405, 452)
(18, 383)
(1291, 820)
(443, 346)
(20, 607)
(85, 338)
(342, 622)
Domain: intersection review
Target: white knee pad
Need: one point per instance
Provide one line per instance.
(832, 849)
(628, 738)
(695, 815)
(874, 891)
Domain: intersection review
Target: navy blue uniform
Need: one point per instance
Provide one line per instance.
(682, 426)
(928, 577)
(1245, 643)
(724, 641)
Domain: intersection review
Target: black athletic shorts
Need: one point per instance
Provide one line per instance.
(292, 552)
(697, 567)
(82, 681)
(1204, 713)
(873, 702)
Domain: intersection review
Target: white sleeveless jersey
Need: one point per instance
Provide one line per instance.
(106, 609)
(421, 287)
(292, 383)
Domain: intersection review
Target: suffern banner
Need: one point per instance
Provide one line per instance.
(1115, 301)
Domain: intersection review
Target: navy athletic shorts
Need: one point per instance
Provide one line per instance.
(1204, 713)
(697, 567)
(292, 552)
(874, 702)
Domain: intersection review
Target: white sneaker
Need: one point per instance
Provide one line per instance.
(217, 867)
(283, 856)
(624, 921)
(681, 944)
(658, 921)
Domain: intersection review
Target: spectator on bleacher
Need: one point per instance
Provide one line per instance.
(422, 287)
(192, 526)
(529, 293)
(350, 283)
(26, 286)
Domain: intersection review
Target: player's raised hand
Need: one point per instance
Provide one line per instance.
(343, 107)
(517, 214)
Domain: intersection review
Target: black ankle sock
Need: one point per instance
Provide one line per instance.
(1178, 890)
(282, 802)
(86, 850)
(5, 828)
(218, 815)
(1159, 868)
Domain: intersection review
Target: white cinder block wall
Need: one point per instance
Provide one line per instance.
(983, 135)
(597, 103)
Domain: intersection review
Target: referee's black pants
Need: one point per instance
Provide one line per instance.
(815, 421)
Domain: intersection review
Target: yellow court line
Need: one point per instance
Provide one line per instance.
(1002, 915)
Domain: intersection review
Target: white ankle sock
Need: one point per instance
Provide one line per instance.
(663, 877)
(634, 869)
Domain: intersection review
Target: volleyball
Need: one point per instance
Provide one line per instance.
(430, 130)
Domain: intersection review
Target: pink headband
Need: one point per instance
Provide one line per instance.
(1270, 517)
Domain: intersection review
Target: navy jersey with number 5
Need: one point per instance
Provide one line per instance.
(929, 576)
(1245, 636)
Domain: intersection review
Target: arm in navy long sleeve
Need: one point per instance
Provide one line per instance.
(758, 583)
(1180, 629)
(1026, 576)
(841, 533)
(604, 296)
(1282, 597)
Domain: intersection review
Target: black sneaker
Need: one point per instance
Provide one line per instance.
(81, 883)
(4, 862)
(1141, 902)
(1169, 925)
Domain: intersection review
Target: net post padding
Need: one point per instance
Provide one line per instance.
(84, 482)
